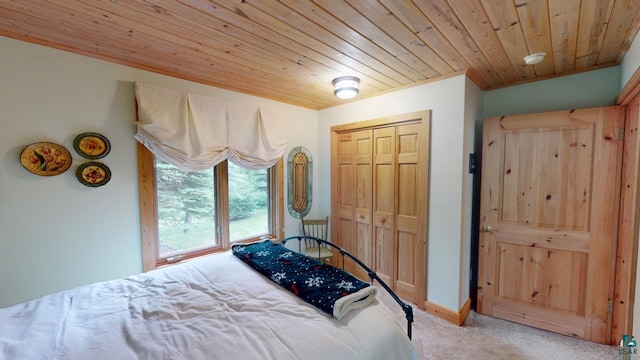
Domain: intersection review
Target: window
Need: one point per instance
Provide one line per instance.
(185, 214)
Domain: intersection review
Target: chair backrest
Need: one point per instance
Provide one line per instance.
(316, 228)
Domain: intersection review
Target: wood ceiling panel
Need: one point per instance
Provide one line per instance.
(182, 61)
(472, 12)
(564, 17)
(534, 19)
(190, 37)
(427, 34)
(594, 15)
(305, 47)
(388, 23)
(623, 14)
(238, 27)
(290, 50)
(233, 56)
(365, 21)
(296, 27)
(188, 67)
(505, 21)
(337, 34)
(444, 18)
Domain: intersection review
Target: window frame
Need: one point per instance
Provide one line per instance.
(149, 210)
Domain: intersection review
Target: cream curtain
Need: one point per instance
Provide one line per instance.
(195, 132)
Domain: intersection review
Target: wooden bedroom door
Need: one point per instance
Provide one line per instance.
(548, 219)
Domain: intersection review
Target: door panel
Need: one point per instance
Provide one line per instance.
(550, 184)
(384, 203)
(363, 199)
(406, 220)
(561, 160)
(343, 198)
(523, 277)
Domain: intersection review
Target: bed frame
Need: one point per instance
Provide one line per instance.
(408, 310)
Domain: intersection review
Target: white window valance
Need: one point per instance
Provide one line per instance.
(196, 132)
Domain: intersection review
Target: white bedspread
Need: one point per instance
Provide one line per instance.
(211, 308)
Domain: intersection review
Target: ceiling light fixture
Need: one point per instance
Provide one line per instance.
(345, 87)
(534, 58)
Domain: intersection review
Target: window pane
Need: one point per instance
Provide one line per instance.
(186, 209)
(248, 203)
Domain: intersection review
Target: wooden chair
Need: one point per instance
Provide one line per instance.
(317, 228)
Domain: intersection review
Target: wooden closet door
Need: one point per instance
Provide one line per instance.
(408, 211)
(379, 185)
(396, 222)
(353, 195)
(343, 198)
(384, 204)
(363, 200)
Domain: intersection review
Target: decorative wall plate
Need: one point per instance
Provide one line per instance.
(45, 159)
(92, 145)
(93, 174)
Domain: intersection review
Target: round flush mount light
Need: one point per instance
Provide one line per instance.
(345, 87)
(534, 58)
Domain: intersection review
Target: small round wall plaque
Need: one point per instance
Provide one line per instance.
(93, 174)
(92, 145)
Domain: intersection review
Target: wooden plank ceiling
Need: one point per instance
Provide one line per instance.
(290, 50)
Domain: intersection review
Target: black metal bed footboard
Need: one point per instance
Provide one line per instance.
(408, 310)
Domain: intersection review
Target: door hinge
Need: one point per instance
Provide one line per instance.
(620, 133)
(610, 306)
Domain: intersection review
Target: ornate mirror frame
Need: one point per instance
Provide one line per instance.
(300, 174)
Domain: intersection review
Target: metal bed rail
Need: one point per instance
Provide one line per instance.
(408, 310)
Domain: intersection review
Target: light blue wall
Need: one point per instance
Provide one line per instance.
(583, 90)
(56, 233)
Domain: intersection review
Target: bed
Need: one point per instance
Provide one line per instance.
(214, 307)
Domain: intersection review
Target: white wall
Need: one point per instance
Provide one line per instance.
(447, 197)
(630, 62)
(472, 143)
(55, 233)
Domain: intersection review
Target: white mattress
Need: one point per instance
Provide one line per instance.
(211, 308)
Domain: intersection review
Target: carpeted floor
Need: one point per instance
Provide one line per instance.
(483, 338)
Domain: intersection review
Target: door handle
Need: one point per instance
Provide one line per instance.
(487, 228)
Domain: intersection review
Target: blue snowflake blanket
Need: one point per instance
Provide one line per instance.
(330, 289)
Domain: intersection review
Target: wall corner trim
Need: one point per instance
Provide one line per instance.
(630, 90)
(452, 316)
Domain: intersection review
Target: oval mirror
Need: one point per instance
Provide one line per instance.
(300, 171)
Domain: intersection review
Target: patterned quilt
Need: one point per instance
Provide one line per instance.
(324, 286)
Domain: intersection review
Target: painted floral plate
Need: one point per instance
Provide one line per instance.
(45, 159)
(93, 174)
(92, 145)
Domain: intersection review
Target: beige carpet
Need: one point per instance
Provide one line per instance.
(483, 337)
